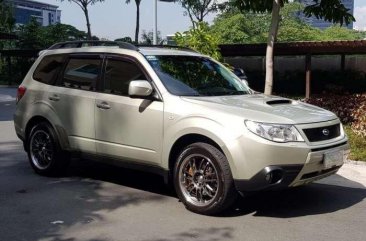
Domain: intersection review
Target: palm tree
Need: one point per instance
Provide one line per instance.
(137, 19)
(84, 4)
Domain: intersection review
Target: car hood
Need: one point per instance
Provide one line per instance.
(270, 109)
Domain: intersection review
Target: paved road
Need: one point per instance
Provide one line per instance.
(98, 202)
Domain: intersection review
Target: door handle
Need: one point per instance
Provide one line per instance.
(103, 105)
(54, 97)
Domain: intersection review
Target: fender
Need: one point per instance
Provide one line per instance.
(203, 126)
(46, 111)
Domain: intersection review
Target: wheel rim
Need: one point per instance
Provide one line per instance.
(41, 149)
(198, 180)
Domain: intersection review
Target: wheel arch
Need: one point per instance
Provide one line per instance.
(186, 140)
(62, 137)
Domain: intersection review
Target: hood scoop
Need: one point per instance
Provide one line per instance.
(279, 102)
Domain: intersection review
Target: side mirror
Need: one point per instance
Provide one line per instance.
(139, 89)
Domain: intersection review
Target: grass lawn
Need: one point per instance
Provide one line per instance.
(358, 145)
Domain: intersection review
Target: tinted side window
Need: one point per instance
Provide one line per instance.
(81, 73)
(48, 69)
(118, 75)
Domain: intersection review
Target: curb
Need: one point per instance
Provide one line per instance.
(358, 163)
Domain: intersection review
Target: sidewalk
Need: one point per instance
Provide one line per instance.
(350, 175)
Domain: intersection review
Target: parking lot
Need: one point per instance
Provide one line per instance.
(97, 202)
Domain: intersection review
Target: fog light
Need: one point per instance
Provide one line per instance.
(274, 176)
(269, 177)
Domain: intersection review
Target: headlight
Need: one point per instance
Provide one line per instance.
(275, 132)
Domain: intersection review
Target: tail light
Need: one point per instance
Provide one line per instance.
(21, 92)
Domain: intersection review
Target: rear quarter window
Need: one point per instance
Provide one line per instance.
(48, 69)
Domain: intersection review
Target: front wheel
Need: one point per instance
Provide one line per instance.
(203, 180)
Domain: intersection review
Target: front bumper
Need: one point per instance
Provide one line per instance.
(291, 175)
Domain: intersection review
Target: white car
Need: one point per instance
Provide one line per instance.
(174, 112)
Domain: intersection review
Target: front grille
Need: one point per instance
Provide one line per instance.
(323, 133)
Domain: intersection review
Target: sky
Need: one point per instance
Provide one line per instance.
(113, 19)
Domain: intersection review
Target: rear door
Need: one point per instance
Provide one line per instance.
(126, 128)
(73, 99)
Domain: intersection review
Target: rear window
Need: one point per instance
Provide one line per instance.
(48, 69)
(81, 73)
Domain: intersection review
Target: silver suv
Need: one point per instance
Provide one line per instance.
(174, 112)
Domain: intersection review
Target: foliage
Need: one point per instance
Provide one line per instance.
(197, 10)
(147, 38)
(351, 109)
(329, 10)
(30, 35)
(357, 143)
(200, 39)
(339, 33)
(124, 39)
(61, 32)
(34, 36)
(7, 21)
(235, 27)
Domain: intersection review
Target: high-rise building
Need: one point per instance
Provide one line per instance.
(45, 14)
(320, 23)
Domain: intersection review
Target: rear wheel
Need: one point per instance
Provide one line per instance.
(203, 180)
(44, 152)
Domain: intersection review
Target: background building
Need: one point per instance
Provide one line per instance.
(45, 14)
(319, 23)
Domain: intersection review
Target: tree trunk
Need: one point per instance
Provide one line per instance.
(137, 23)
(87, 23)
(270, 46)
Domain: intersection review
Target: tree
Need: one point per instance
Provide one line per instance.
(340, 33)
(30, 35)
(124, 39)
(60, 33)
(329, 10)
(235, 27)
(197, 10)
(34, 36)
(200, 39)
(147, 38)
(7, 21)
(137, 19)
(84, 4)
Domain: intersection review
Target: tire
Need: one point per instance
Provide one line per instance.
(44, 152)
(195, 172)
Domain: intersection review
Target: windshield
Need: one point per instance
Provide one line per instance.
(195, 76)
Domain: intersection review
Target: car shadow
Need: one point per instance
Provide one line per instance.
(307, 200)
(300, 201)
(121, 176)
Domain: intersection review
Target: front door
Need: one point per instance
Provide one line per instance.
(126, 128)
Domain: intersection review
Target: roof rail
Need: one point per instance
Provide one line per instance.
(88, 43)
(168, 47)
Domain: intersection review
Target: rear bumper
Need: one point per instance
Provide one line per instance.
(283, 176)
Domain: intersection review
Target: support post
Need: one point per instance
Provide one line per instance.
(308, 75)
(155, 34)
(343, 62)
(10, 79)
